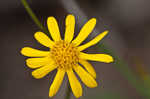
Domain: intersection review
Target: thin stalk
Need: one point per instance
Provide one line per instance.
(68, 91)
(33, 16)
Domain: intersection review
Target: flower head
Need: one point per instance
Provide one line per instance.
(65, 55)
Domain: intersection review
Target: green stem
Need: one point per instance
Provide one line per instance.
(125, 70)
(68, 91)
(33, 16)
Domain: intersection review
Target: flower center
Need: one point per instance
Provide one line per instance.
(64, 54)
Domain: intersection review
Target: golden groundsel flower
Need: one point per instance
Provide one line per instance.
(66, 56)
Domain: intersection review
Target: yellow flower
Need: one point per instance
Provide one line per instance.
(66, 56)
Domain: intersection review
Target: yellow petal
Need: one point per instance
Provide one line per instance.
(74, 83)
(43, 39)
(53, 28)
(37, 62)
(86, 78)
(70, 25)
(31, 52)
(85, 31)
(57, 82)
(43, 71)
(97, 57)
(88, 67)
(93, 42)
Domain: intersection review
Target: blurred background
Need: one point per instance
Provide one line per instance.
(127, 20)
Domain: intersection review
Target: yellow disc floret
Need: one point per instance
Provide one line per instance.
(65, 55)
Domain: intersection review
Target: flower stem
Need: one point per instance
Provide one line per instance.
(33, 16)
(68, 91)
